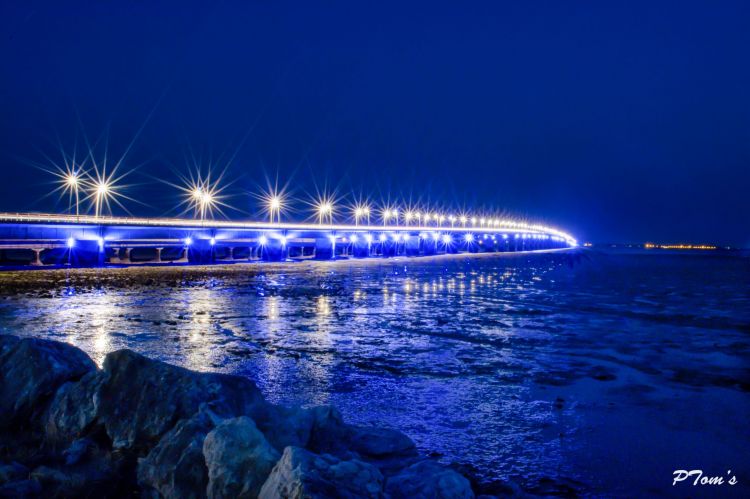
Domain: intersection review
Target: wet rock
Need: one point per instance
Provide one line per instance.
(77, 451)
(329, 432)
(176, 467)
(72, 410)
(301, 473)
(12, 471)
(31, 370)
(239, 459)
(20, 489)
(380, 442)
(284, 426)
(428, 479)
(6, 343)
(56, 483)
(141, 399)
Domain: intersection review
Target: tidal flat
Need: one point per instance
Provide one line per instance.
(568, 373)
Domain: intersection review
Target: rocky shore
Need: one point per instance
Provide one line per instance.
(142, 427)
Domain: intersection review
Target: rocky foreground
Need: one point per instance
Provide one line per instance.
(142, 427)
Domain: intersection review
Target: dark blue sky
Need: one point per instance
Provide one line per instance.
(625, 121)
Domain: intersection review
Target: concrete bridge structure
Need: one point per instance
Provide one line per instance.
(37, 240)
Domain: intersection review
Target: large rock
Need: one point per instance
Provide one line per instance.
(72, 411)
(285, 426)
(428, 479)
(12, 471)
(31, 370)
(20, 489)
(303, 474)
(329, 432)
(6, 343)
(380, 442)
(73, 482)
(176, 467)
(239, 459)
(141, 399)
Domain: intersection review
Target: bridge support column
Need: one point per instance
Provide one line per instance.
(411, 246)
(37, 261)
(324, 249)
(184, 257)
(158, 255)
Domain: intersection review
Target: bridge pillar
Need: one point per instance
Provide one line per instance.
(37, 261)
(411, 246)
(323, 248)
(429, 246)
(184, 257)
(360, 248)
(158, 255)
(126, 258)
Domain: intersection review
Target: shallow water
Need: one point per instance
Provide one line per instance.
(567, 372)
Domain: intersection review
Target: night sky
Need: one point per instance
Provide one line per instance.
(626, 121)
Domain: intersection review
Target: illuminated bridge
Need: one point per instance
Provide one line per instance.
(46, 239)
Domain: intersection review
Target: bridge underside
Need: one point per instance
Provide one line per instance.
(90, 244)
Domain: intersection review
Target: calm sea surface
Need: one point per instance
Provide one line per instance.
(572, 372)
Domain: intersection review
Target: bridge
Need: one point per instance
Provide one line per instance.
(37, 240)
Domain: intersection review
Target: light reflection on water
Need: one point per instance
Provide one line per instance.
(517, 365)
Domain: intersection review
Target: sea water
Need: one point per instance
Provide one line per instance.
(574, 372)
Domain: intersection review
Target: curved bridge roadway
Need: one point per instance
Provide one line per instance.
(31, 239)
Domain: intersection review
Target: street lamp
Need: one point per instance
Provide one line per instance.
(274, 208)
(325, 210)
(72, 181)
(361, 211)
(100, 193)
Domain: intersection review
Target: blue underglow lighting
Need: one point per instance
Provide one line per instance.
(468, 237)
(516, 236)
(406, 237)
(212, 241)
(263, 240)
(332, 239)
(71, 242)
(188, 241)
(283, 240)
(397, 238)
(446, 238)
(382, 238)
(100, 242)
(505, 236)
(485, 236)
(368, 238)
(422, 235)
(353, 238)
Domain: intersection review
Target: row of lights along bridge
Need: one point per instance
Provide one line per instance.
(203, 199)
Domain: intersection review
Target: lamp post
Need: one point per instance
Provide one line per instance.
(274, 208)
(71, 180)
(102, 189)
